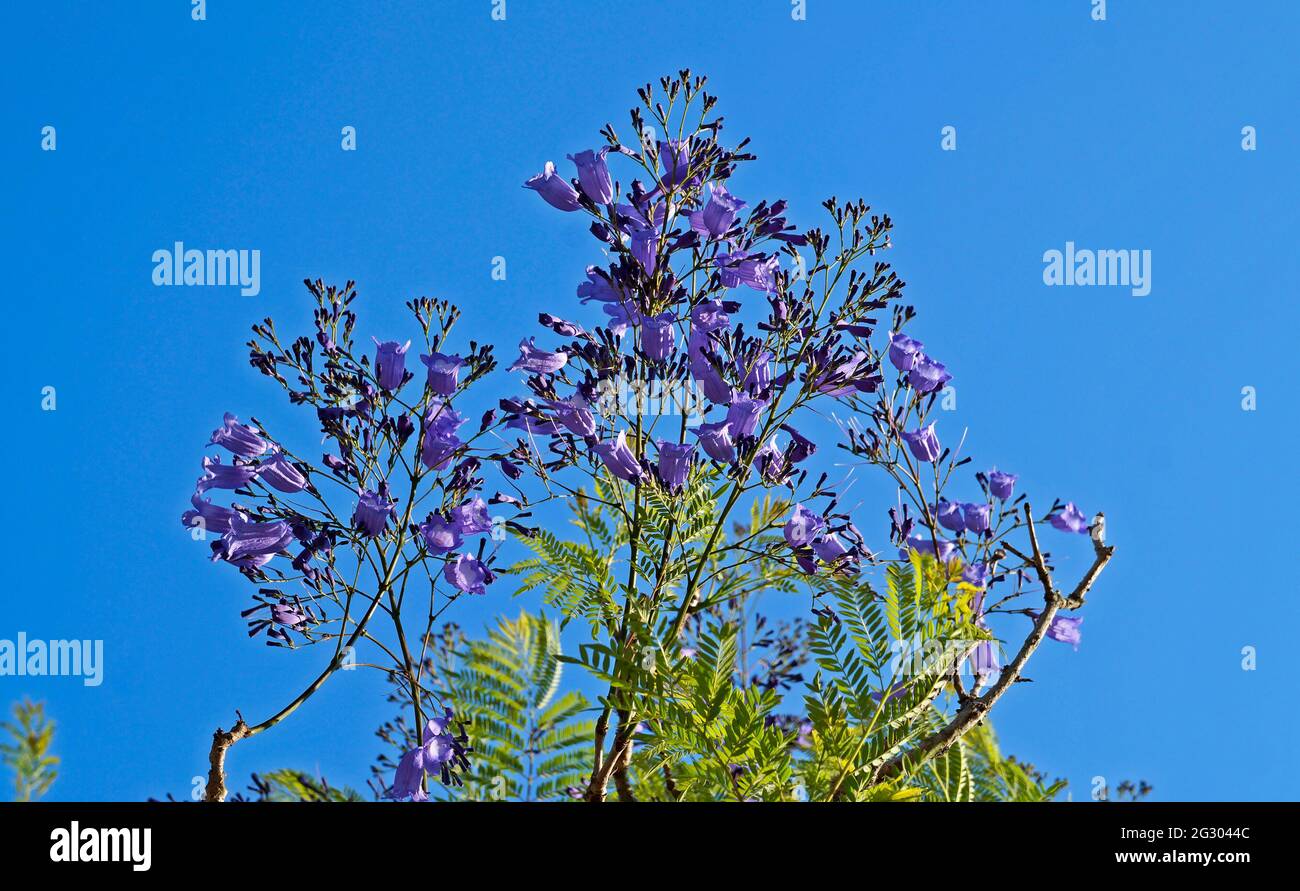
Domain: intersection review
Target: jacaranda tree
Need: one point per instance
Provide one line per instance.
(684, 435)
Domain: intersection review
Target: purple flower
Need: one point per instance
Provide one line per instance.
(675, 156)
(976, 574)
(438, 749)
(924, 544)
(743, 414)
(440, 536)
(280, 474)
(718, 214)
(437, 451)
(404, 427)
(408, 782)
(657, 336)
(597, 287)
(923, 443)
(390, 363)
(440, 440)
(756, 374)
(1063, 628)
(593, 175)
(759, 273)
(770, 461)
(709, 316)
(984, 664)
(703, 370)
(1070, 519)
(442, 419)
(641, 215)
(560, 326)
(1001, 484)
(538, 360)
(803, 527)
(716, 441)
(471, 518)
(802, 446)
(618, 458)
(739, 268)
(466, 574)
(622, 316)
(645, 247)
(675, 461)
(531, 423)
(574, 415)
(850, 376)
(829, 548)
(285, 613)
(249, 544)
(927, 375)
(241, 439)
(215, 518)
(444, 372)
(224, 476)
(903, 350)
(372, 511)
(729, 267)
(976, 516)
(554, 189)
(949, 515)
(338, 465)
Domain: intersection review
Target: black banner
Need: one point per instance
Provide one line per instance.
(176, 839)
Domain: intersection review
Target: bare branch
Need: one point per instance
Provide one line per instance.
(221, 741)
(973, 711)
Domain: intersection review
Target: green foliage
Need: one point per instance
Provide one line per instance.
(27, 750)
(991, 776)
(705, 731)
(705, 728)
(712, 734)
(882, 662)
(528, 741)
(576, 578)
(294, 785)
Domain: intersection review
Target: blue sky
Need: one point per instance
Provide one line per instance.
(1122, 134)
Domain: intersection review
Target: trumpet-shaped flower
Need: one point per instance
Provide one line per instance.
(554, 189)
(466, 574)
(240, 439)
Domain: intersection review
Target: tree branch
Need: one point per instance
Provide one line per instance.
(221, 741)
(975, 708)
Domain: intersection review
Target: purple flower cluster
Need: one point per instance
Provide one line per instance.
(445, 532)
(813, 539)
(440, 754)
(684, 211)
(246, 540)
(363, 408)
(961, 517)
(924, 374)
(701, 289)
(275, 616)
